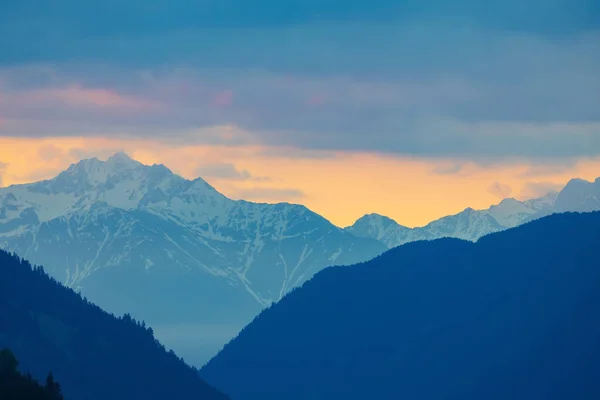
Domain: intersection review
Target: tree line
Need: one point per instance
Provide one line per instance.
(16, 386)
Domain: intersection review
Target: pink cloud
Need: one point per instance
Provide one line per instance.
(223, 99)
(285, 81)
(175, 88)
(79, 96)
(317, 99)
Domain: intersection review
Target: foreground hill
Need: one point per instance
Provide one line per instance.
(577, 195)
(512, 316)
(94, 355)
(122, 232)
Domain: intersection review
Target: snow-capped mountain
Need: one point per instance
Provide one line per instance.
(140, 239)
(470, 224)
(579, 195)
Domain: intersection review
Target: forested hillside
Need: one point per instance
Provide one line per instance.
(94, 355)
(513, 316)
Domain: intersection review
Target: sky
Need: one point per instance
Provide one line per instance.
(414, 109)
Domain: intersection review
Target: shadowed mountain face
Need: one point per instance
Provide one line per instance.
(174, 252)
(94, 355)
(512, 316)
(578, 195)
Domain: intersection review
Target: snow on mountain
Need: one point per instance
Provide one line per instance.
(470, 224)
(140, 239)
(379, 227)
(467, 225)
(579, 195)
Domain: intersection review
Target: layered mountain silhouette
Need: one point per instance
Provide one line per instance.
(195, 264)
(470, 224)
(94, 355)
(511, 316)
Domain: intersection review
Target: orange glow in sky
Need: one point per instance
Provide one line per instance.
(341, 186)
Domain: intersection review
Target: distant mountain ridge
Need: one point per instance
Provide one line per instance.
(469, 224)
(511, 316)
(140, 239)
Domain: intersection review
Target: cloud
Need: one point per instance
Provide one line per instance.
(538, 189)
(538, 169)
(448, 169)
(499, 190)
(269, 194)
(395, 117)
(295, 152)
(223, 99)
(421, 79)
(70, 29)
(317, 99)
(223, 171)
(76, 96)
(228, 171)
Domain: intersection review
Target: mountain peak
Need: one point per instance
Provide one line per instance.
(578, 181)
(579, 195)
(116, 163)
(509, 200)
(373, 216)
(577, 184)
(94, 171)
(121, 159)
(120, 155)
(374, 219)
(378, 227)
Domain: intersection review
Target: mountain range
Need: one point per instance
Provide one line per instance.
(511, 316)
(197, 265)
(469, 224)
(176, 253)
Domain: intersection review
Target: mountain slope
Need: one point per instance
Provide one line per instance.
(472, 224)
(174, 252)
(94, 355)
(512, 316)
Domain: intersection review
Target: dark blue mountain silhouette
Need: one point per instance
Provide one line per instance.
(93, 354)
(513, 316)
(16, 386)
